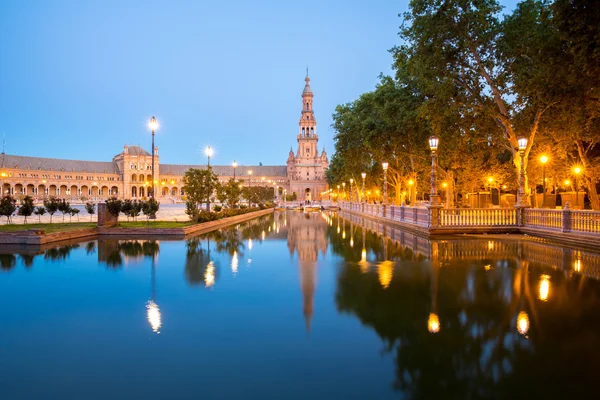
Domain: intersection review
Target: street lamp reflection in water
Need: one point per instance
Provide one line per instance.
(234, 262)
(433, 323)
(385, 271)
(153, 315)
(523, 323)
(544, 287)
(209, 275)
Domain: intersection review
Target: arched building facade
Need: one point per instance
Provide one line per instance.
(129, 173)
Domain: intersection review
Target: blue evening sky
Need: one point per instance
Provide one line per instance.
(80, 79)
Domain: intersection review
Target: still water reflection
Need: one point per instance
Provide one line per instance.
(298, 305)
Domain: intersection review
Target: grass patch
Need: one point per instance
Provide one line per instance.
(154, 224)
(48, 228)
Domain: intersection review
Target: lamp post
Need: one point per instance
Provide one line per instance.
(338, 194)
(385, 167)
(543, 160)
(153, 126)
(522, 201)
(344, 190)
(434, 199)
(249, 186)
(209, 152)
(364, 175)
(576, 171)
(234, 165)
(351, 192)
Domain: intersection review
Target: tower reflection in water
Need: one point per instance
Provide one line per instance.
(307, 237)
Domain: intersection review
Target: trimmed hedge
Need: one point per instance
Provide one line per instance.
(205, 216)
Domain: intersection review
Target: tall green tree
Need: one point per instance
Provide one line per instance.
(574, 125)
(199, 185)
(230, 193)
(463, 53)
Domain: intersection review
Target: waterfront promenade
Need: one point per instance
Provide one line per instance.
(573, 226)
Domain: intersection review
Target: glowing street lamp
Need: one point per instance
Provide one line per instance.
(153, 124)
(209, 151)
(385, 167)
(364, 175)
(351, 192)
(433, 145)
(344, 189)
(234, 165)
(522, 201)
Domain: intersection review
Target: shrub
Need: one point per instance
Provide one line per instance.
(206, 216)
(217, 208)
(113, 206)
(64, 207)
(51, 205)
(150, 208)
(26, 208)
(8, 205)
(39, 211)
(126, 207)
(191, 209)
(73, 211)
(90, 208)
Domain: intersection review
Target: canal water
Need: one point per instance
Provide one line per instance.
(300, 306)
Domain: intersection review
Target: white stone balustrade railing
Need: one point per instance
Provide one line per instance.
(478, 217)
(566, 220)
(542, 218)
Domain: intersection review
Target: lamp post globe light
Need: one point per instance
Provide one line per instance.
(234, 165)
(153, 124)
(433, 145)
(351, 193)
(344, 190)
(522, 200)
(363, 175)
(209, 151)
(385, 167)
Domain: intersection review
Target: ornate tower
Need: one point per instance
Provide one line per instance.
(307, 134)
(306, 169)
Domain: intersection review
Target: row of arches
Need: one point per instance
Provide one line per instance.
(141, 178)
(308, 132)
(143, 191)
(59, 190)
